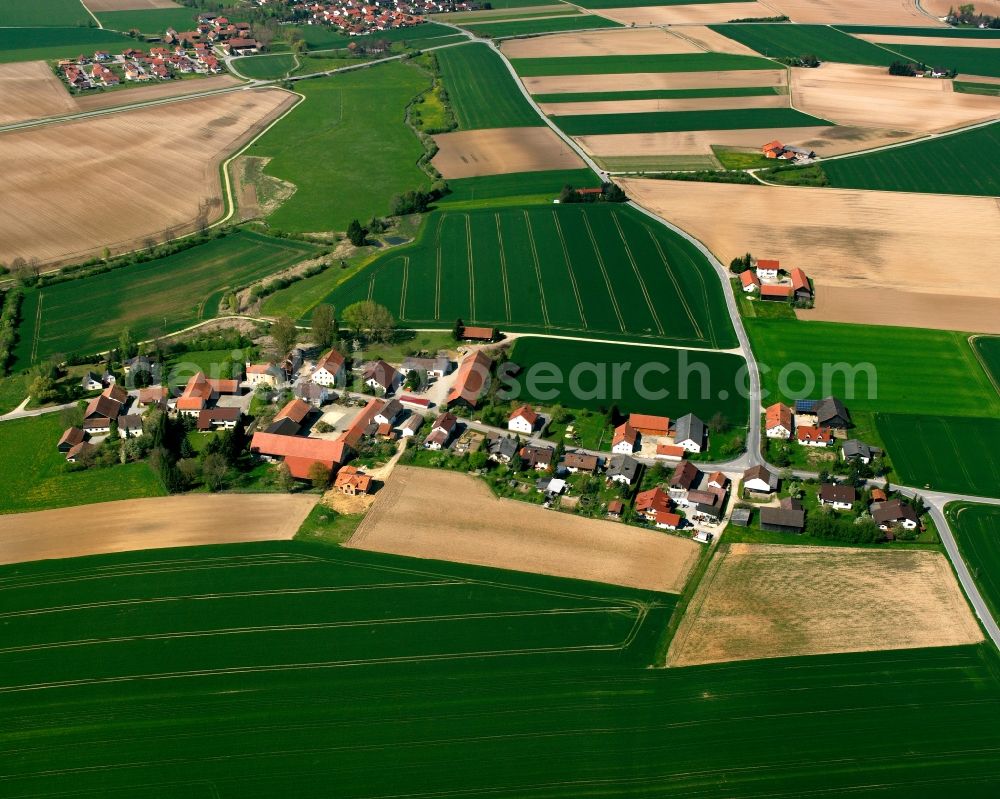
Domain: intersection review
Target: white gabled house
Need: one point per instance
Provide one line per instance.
(523, 420)
(329, 369)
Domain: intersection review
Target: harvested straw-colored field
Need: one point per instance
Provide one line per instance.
(707, 39)
(770, 601)
(941, 7)
(68, 190)
(641, 81)
(30, 90)
(923, 41)
(857, 12)
(475, 527)
(863, 240)
(128, 5)
(684, 104)
(155, 523)
(862, 96)
(697, 14)
(824, 140)
(157, 91)
(498, 151)
(904, 309)
(640, 41)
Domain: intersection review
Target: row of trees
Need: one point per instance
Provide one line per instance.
(9, 318)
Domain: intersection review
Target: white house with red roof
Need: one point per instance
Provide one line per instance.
(778, 421)
(329, 369)
(813, 436)
(625, 440)
(523, 420)
(767, 268)
(750, 281)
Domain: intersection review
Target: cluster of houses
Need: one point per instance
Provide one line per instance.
(785, 152)
(768, 281)
(104, 70)
(212, 30)
(361, 18)
(659, 437)
(818, 423)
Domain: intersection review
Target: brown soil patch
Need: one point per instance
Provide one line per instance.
(864, 240)
(427, 513)
(698, 14)
(826, 141)
(707, 39)
(766, 601)
(863, 96)
(686, 104)
(857, 12)
(68, 190)
(642, 41)
(497, 151)
(903, 308)
(639, 81)
(128, 5)
(30, 90)
(940, 8)
(157, 91)
(937, 41)
(130, 524)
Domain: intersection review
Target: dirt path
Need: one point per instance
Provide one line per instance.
(187, 520)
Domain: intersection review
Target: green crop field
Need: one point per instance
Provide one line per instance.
(655, 94)
(572, 22)
(917, 371)
(35, 477)
(668, 382)
(966, 60)
(965, 87)
(544, 185)
(581, 269)
(267, 67)
(822, 41)
(959, 454)
(344, 120)
(31, 13)
(988, 351)
(977, 531)
(482, 92)
(283, 668)
(665, 121)
(88, 314)
(33, 44)
(963, 163)
(932, 33)
(150, 20)
(620, 64)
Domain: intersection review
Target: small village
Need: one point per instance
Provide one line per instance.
(764, 279)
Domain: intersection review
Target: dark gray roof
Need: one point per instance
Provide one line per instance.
(690, 427)
(893, 511)
(130, 422)
(831, 409)
(783, 517)
(391, 409)
(740, 517)
(284, 427)
(624, 465)
(761, 473)
(506, 446)
(853, 448)
(829, 492)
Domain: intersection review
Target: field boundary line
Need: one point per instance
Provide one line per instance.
(38, 327)
(604, 270)
(638, 275)
(676, 285)
(538, 270)
(94, 16)
(472, 267)
(503, 268)
(437, 274)
(569, 270)
(402, 291)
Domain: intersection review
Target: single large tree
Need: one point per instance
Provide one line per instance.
(322, 325)
(356, 234)
(284, 334)
(370, 319)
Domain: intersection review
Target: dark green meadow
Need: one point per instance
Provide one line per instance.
(822, 41)
(988, 351)
(712, 384)
(967, 60)
(283, 668)
(942, 165)
(27, 13)
(619, 64)
(545, 185)
(977, 531)
(668, 121)
(88, 314)
(579, 269)
(31, 44)
(929, 33)
(150, 20)
(483, 94)
(957, 454)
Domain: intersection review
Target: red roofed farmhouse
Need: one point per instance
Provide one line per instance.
(523, 420)
(649, 425)
(299, 453)
(471, 380)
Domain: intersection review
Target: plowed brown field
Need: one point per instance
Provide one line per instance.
(697, 14)
(857, 12)
(497, 151)
(639, 81)
(68, 190)
(471, 525)
(641, 41)
(685, 104)
(30, 90)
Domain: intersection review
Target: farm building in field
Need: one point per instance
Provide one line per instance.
(773, 293)
(352, 481)
(767, 268)
(789, 517)
(841, 497)
(329, 369)
(778, 421)
(523, 420)
(471, 380)
(299, 454)
(625, 440)
(801, 288)
(648, 425)
(471, 333)
(690, 433)
(813, 436)
(70, 438)
(750, 281)
(79, 451)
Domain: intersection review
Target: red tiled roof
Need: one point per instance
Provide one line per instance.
(526, 412)
(775, 291)
(316, 449)
(670, 451)
(799, 280)
(777, 415)
(813, 434)
(482, 333)
(624, 432)
(749, 278)
(296, 410)
(768, 263)
(471, 379)
(332, 362)
(656, 499)
(667, 519)
(648, 424)
(353, 434)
